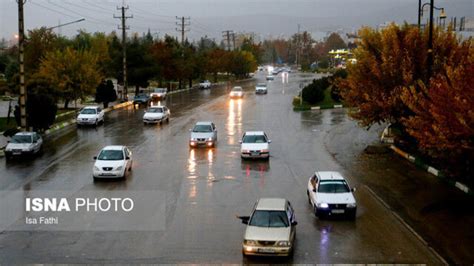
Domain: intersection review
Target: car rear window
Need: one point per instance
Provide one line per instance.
(21, 139)
(263, 218)
(155, 110)
(333, 186)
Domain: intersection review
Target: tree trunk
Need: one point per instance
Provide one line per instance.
(190, 82)
(137, 89)
(66, 103)
(106, 104)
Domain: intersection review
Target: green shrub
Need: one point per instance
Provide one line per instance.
(335, 91)
(314, 92)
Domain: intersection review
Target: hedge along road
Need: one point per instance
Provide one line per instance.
(206, 188)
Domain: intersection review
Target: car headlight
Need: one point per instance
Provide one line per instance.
(284, 243)
(192, 139)
(209, 139)
(250, 242)
(265, 150)
(96, 168)
(323, 205)
(119, 168)
(245, 151)
(351, 205)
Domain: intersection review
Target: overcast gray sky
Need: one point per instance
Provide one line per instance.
(210, 17)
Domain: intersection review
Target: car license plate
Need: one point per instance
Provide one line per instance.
(266, 250)
(337, 211)
(16, 152)
(255, 153)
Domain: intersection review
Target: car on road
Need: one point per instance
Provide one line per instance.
(203, 134)
(90, 115)
(158, 93)
(261, 88)
(205, 84)
(156, 114)
(24, 143)
(142, 99)
(112, 162)
(329, 194)
(271, 228)
(270, 77)
(237, 92)
(255, 145)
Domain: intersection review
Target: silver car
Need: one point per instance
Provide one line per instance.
(203, 134)
(271, 229)
(24, 143)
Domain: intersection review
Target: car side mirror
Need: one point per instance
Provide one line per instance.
(35, 141)
(95, 157)
(353, 189)
(294, 223)
(127, 158)
(314, 189)
(8, 141)
(244, 219)
(269, 141)
(240, 142)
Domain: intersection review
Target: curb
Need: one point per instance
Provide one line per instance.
(431, 170)
(402, 221)
(336, 106)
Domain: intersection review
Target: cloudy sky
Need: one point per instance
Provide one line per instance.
(267, 18)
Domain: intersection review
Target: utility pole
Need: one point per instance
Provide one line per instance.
(21, 42)
(182, 26)
(298, 47)
(226, 35)
(124, 29)
(233, 40)
(430, 43)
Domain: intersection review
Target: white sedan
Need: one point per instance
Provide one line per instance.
(112, 162)
(237, 92)
(255, 144)
(329, 194)
(156, 114)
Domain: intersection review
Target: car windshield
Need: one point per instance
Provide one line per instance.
(160, 90)
(333, 186)
(254, 139)
(269, 219)
(237, 89)
(21, 139)
(261, 85)
(88, 111)
(140, 96)
(110, 155)
(155, 110)
(202, 128)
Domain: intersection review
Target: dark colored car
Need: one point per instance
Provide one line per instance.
(141, 99)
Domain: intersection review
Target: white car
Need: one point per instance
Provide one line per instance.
(206, 84)
(203, 134)
(255, 144)
(158, 93)
(261, 88)
(237, 92)
(329, 194)
(90, 115)
(156, 114)
(24, 143)
(270, 77)
(271, 228)
(112, 162)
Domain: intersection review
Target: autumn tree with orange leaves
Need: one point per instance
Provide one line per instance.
(390, 83)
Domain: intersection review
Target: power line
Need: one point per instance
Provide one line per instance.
(82, 15)
(52, 10)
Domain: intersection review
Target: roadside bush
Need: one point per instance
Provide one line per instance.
(314, 92)
(334, 81)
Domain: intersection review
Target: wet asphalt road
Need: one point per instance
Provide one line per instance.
(204, 189)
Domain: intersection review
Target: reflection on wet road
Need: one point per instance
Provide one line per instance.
(205, 188)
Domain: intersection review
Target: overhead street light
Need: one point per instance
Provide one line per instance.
(72, 22)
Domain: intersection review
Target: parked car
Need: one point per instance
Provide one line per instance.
(156, 114)
(270, 77)
(112, 162)
(237, 92)
(255, 144)
(271, 228)
(205, 84)
(261, 88)
(329, 194)
(203, 134)
(141, 99)
(90, 115)
(159, 93)
(24, 143)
